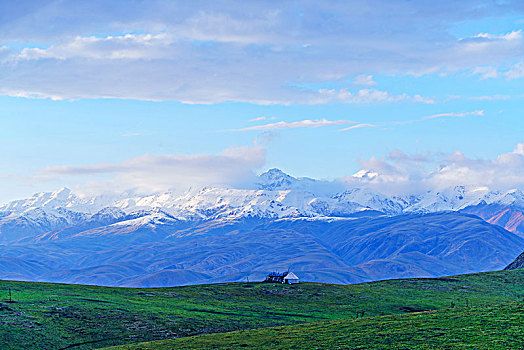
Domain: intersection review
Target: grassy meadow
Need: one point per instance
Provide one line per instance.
(57, 316)
(495, 327)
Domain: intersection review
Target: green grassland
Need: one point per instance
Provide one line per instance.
(496, 327)
(56, 316)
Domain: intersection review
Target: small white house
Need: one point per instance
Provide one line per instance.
(290, 278)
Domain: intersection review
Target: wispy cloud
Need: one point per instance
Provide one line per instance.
(496, 97)
(364, 80)
(452, 114)
(307, 123)
(128, 46)
(363, 125)
(325, 122)
(486, 72)
(366, 96)
(150, 173)
(261, 118)
(516, 72)
(514, 35)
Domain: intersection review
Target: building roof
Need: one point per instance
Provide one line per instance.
(291, 276)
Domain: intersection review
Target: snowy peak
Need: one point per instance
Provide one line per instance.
(276, 195)
(372, 200)
(55, 199)
(365, 174)
(512, 198)
(460, 197)
(108, 214)
(151, 218)
(275, 179)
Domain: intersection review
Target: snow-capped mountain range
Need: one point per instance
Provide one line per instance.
(276, 195)
(215, 234)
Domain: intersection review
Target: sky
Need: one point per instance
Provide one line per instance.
(153, 95)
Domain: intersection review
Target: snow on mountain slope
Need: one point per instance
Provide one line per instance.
(274, 195)
(277, 180)
(61, 198)
(453, 198)
(512, 197)
(150, 219)
(349, 235)
(460, 197)
(371, 200)
(58, 202)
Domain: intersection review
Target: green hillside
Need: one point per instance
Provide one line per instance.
(497, 327)
(56, 316)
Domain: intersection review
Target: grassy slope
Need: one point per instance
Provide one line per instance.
(53, 316)
(496, 327)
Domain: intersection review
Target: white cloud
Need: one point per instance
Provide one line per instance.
(128, 46)
(365, 96)
(364, 80)
(397, 173)
(484, 47)
(363, 125)
(30, 94)
(486, 72)
(496, 97)
(516, 72)
(324, 122)
(248, 52)
(400, 173)
(226, 28)
(261, 118)
(514, 35)
(519, 149)
(152, 173)
(307, 123)
(454, 114)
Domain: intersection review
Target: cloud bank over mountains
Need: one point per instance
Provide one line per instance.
(249, 51)
(403, 173)
(397, 174)
(234, 166)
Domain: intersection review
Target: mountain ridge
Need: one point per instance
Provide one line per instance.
(335, 250)
(518, 263)
(275, 195)
(219, 234)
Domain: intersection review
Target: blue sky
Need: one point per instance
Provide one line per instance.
(154, 95)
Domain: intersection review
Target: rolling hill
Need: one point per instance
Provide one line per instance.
(496, 327)
(59, 316)
(341, 250)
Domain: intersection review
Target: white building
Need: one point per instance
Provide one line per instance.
(290, 278)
